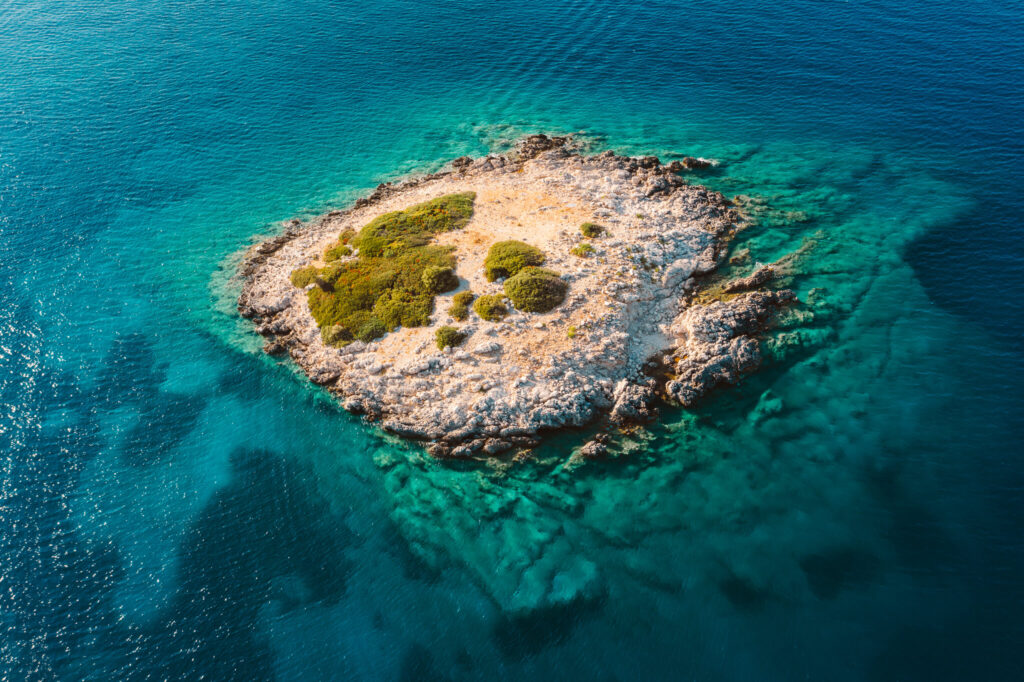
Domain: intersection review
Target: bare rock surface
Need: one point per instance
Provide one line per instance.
(510, 381)
(718, 343)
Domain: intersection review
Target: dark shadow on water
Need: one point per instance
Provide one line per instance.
(829, 573)
(129, 373)
(418, 666)
(983, 249)
(163, 423)
(743, 595)
(131, 376)
(915, 533)
(267, 539)
(413, 566)
(529, 634)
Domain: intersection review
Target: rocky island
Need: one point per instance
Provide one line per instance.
(477, 307)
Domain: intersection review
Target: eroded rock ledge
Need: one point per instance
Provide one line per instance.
(628, 302)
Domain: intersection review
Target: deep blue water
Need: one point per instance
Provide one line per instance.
(174, 505)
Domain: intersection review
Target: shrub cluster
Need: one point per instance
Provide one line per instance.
(395, 232)
(504, 259)
(591, 230)
(582, 250)
(395, 275)
(536, 290)
(303, 277)
(491, 307)
(438, 279)
(370, 330)
(448, 336)
(403, 308)
(337, 252)
(460, 305)
(335, 335)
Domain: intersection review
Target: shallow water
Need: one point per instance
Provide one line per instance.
(174, 504)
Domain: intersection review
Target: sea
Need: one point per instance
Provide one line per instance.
(176, 505)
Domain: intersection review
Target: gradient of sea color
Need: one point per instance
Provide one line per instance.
(174, 505)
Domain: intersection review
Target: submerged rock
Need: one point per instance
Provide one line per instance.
(758, 278)
(596, 447)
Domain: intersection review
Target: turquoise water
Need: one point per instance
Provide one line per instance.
(176, 505)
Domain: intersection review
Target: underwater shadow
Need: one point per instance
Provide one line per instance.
(528, 634)
(267, 538)
(829, 573)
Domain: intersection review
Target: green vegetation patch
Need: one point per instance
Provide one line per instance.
(583, 250)
(591, 230)
(403, 308)
(448, 336)
(438, 279)
(460, 305)
(303, 277)
(337, 252)
(335, 335)
(370, 330)
(504, 259)
(491, 307)
(536, 290)
(396, 232)
(393, 279)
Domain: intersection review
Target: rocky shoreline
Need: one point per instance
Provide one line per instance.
(629, 314)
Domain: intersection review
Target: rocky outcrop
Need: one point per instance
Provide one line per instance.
(585, 360)
(692, 163)
(756, 279)
(632, 402)
(719, 343)
(689, 163)
(595, 448)
(531, 146)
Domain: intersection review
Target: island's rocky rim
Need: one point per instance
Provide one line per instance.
(630, 306)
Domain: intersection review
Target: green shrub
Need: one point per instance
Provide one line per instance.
(337, 252)
(505, 259)
(582, 250)
(394, 232)
(536, 290)
(591, 230)
(460, 305)
(387, 285)
(371, 329)
(400, 307)
(335, 335)
(347, 236)
(491, 307)
(303, 277)
(448, 336)
(438, 279)
(570, 333)
(330, 272)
